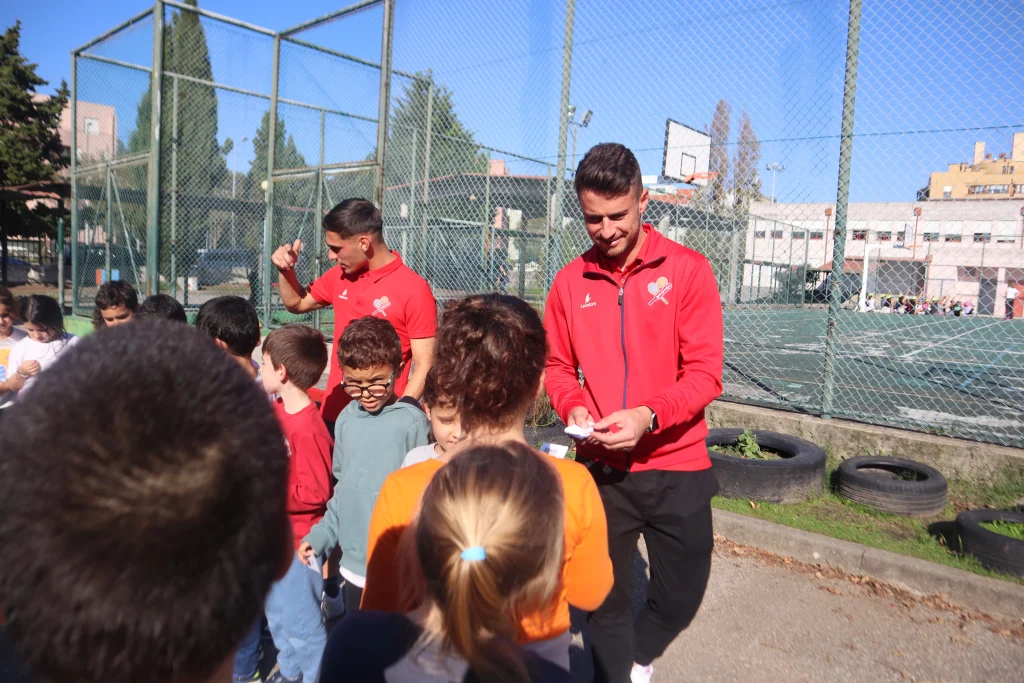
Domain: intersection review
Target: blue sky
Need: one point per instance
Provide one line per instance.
(934, 76)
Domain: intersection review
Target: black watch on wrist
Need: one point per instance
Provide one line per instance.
(654, 422)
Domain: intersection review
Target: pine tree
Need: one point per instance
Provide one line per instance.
(30, 146)
(746, 178)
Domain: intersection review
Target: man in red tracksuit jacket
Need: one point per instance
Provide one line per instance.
(641, 317)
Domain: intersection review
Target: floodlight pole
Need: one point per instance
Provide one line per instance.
(774, 167)
(835, 285)
(558, 208)
(385, 100)
(268, 222)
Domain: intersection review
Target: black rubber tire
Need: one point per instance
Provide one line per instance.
(995, 551)
(799, 475)
(923, 497)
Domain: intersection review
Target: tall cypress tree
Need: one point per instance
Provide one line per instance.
(200, 165)
(716, 189)
(746, 178)
(30, 146)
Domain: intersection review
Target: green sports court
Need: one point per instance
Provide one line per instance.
(956, 376)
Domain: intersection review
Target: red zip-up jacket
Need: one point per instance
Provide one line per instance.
(650, 335)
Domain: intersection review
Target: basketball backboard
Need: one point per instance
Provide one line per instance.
(687, 154)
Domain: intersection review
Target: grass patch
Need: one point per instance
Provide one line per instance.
(542, 414)
(1011, 529)
(931, 539)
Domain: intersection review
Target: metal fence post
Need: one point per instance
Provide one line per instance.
(318, 216)
(60, 262)
(387, 34)
(74, 184)
(563, 129)
(412, 195)
(153, 186)
(426, 176)
(174, 199)
(106, 226)
(268, 221)
(835, 285)
(485, 236)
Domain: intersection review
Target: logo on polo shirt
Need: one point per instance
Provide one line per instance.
(344, 295)
(587, 303)
(659, 289)
(380, 304)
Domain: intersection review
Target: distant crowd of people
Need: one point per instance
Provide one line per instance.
(913, 304)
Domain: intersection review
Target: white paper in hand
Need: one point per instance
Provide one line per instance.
(577, 432)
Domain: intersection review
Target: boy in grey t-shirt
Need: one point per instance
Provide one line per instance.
(372, 436)
(445, 427)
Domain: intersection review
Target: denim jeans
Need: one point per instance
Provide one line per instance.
(247, 657)
(293, 614)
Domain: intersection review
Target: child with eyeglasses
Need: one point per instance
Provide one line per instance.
(371, 438)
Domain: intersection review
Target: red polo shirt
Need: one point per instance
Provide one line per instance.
(395, 293)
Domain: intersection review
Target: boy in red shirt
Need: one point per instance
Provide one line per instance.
(294, 358)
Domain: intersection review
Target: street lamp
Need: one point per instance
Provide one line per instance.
(234, 177)
(575, 125)
(774, 167)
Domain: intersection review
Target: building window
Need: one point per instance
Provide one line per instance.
(860, 235)
(759, 234)
(931, 237)
(952, 238)
(1020, 188)
(817, 235)
(885, 237)
(92, 126)
(982, 237)
(1006, 239)
(988, 189)
(776, 234)
(798, 234)
(901, 236)
(947, 192)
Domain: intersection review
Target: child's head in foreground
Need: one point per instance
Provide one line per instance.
(489, 540)
(7, 311)
(370, 356)
(295, 354)
(489, 359)
(42, 317)
(148, 557)
(232, 322)
(116, 304)
(162, 306)
(445, 426)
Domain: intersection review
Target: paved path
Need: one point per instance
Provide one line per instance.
(767, 620)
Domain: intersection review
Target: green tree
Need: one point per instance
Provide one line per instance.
(293, 199)
(746, 178)
(199, 164)
(30, 146)
(714, 197)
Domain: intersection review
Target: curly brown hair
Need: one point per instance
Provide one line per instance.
(369, 342)
(488, 358)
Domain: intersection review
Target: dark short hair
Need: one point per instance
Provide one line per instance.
(111, 295)
(40, 309)
(233, 320)
(489, 357)
(369, 342)
(431, 396)
(148, 558)
(609, 169)
(301, 349)
(162, 306)
(6, 298)
(354, 217)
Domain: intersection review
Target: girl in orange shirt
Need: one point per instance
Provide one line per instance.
(488, 365)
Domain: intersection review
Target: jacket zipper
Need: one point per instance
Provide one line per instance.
(625, 358)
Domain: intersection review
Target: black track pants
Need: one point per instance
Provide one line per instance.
(673, 512)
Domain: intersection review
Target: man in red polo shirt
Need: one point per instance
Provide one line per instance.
(641, 317)
(369, 279)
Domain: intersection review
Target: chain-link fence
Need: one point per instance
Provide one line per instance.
(861, 203)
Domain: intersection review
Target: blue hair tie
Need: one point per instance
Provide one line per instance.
(474, 553)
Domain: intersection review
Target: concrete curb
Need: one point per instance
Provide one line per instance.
(968, 590)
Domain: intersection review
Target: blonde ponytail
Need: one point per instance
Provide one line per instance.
(489, 539)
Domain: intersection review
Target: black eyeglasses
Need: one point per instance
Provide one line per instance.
(374, 390)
